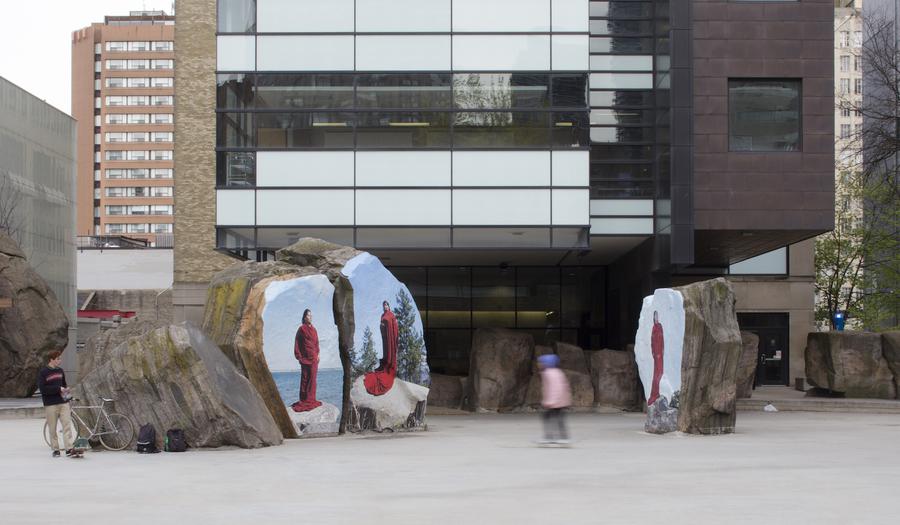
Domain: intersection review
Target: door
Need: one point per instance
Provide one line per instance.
(773, 329)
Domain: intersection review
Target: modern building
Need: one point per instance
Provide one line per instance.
(123, 98)
(37, 193)
(540, 165)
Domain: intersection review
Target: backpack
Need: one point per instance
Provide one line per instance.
(146, 441)
(175, 440)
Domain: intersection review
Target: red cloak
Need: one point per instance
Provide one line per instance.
(656, 348)
(306, 350)
(382, 379)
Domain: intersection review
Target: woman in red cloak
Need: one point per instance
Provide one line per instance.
(306, 350)
(656, 348)
(382, 379)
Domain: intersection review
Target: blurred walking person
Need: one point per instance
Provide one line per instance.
(556, 396)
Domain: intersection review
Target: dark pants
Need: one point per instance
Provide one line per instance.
(555, 417)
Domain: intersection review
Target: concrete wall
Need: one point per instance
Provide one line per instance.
(124, 269)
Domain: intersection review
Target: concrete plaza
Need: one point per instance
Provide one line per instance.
(781, 467)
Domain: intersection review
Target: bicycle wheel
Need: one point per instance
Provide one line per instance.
(117, 432)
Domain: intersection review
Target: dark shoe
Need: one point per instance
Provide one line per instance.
(56, 453)
(71, 452)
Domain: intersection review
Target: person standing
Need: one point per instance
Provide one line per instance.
(55, 395)
(381, 379)
(306, 350)
(657, 348)
(556, 396)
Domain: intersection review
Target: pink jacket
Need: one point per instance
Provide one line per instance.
(555, 389)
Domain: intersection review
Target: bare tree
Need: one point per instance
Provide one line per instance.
(858, 264)
(11, 218)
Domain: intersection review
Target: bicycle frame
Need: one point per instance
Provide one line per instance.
(101, 417)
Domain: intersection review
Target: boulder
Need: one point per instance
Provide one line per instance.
(446, 391)
(176, 377)
(890, 347)
(580, 383)
(323, 420)
(850, 363)
(571, 357)
(97, 348)
(747, 365)
(500, 366)
(710, 356)
(614, 375)
(692, 332)
(400, 408)
(31, 328)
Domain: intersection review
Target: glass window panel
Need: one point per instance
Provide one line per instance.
(621, 63)
(621, 98)
(449, 297)
(235, 238)
(621, 27)
(619, 134)
(612, 117)
(235, 169)
(448, 350)
(493, 297)
(500, 90)
(235, 130)
(501, 15)
(404, 130)
(304, 91)
(402, 238)
(764, 115)
(570, 91)
(305, 130)
(605, 172)
(234, 91)
(621, 45)
(770, 263)
(621, 9)
(614, 152)
(501, 129)
(276, 238)
(621, 80)
(414, 91)
(237, 16)
(622, 189)
(571, 129)
(538, 298)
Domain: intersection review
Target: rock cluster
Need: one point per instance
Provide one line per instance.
(854, 364)
(31, 328)
(175, 377)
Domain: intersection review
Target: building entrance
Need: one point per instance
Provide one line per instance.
(773, 330)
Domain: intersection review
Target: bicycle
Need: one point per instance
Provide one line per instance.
(114, 431)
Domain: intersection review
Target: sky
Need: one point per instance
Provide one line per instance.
(40, 62)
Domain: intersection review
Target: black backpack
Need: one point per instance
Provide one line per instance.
(175, 440)
(146, 441)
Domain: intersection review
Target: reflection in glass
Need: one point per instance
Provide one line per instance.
(620, 134)
(621, 189)
(621, 27)
(764, 115)
(235, 238)
(611, 117)
(570, 129)
(506, 129)
(234, 91)
(500, 90)
(537, 298)
(449, 298)
(570, 91)
(237, 16)
(622, 9)
(448, 350)
(616, 152)
(621, 98)
(413, 91)
(621, 45)
(305, 130)
(234, 130)
(304, 91)
(493, 297)
(403, 130)
(620, 172)
(236, 169)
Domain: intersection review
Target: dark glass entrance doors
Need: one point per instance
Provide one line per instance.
(773, 329)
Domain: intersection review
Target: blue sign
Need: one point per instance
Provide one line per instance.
(839, 321)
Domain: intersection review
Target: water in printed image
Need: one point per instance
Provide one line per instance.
(330, 386)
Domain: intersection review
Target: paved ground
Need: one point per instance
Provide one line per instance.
(790, 468)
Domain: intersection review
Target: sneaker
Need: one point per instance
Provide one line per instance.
(55, 453)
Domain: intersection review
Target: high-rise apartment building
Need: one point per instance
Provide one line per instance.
(123, 98)
(539, 165)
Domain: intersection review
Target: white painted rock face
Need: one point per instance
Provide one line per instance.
(324, 419)
(402, 407)
(666, 332)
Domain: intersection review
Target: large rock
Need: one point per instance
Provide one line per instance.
(175, 377)
(615, 379)
(710, 357)
(33, 327)
(324, 420)
(695, 330)
(571, 357)
(890, 347)
(747, 365)
(400, 408)
(851, 363)
(446, 391)
(500, 367)
(98, 347)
